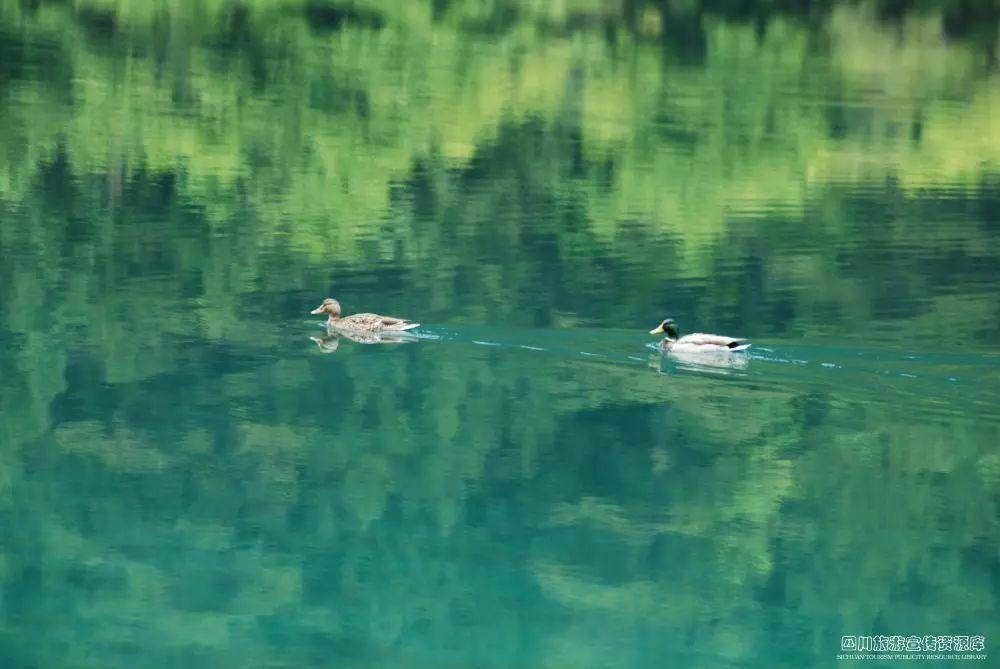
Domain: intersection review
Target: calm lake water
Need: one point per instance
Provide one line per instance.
(188, 480)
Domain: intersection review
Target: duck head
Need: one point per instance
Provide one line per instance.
(667, 327)
(328, 306)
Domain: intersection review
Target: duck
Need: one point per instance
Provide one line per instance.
(698, 342)
(360, 323)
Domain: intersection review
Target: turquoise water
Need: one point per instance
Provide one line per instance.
(188, 479)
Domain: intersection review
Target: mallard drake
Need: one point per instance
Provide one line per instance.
(360, 322)
(697, 342)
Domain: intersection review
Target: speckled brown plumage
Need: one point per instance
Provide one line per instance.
(360, 323)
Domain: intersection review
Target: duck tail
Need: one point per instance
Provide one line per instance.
(738, 347)
(409, 326)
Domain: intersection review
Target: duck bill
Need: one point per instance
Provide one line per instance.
(657, 330)
(317, 310)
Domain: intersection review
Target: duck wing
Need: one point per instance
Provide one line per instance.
(368, 322)
(374, 323)
(702, 339)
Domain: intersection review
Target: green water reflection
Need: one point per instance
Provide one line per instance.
(186, 478)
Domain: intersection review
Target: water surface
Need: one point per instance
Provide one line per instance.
(187, 479)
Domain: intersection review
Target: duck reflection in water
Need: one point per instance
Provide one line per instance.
(331, 341)
(715, 363)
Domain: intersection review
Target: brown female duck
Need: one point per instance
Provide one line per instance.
(362, 323)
